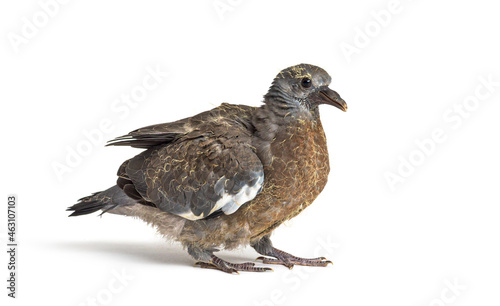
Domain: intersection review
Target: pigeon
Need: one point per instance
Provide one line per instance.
(227, 177)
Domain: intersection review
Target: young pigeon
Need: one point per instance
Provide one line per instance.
(229, 176)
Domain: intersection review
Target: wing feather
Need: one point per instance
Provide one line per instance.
(164, 133)
(208, 167)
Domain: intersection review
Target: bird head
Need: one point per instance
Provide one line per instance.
(302, 88)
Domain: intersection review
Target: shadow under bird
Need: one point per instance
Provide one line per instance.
(229, 176)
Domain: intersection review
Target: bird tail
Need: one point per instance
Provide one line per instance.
(103, 200)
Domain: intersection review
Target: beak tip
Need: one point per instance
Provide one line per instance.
(331, 97)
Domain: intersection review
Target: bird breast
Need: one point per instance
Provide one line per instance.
(300, 164)
(296, 175)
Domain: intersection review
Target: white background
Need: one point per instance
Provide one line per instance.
(389, 247)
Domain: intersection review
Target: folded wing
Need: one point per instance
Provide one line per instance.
(197, 166)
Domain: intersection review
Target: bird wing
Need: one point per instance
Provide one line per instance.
(211, 167)
(153, 135)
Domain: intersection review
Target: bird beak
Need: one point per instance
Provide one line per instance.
(331, 97)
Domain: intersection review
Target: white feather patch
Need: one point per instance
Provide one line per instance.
(231, 203)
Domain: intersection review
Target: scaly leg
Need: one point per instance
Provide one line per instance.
(208, 260)
(265, 247)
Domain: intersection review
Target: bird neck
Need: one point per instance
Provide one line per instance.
(271, 125)
(273, 117)
(285, 109)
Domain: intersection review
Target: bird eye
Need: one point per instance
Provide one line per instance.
(306, 82)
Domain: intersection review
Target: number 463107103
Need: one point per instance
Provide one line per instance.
(11, 218)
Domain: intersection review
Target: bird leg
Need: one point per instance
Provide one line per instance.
(208, 260)
(228, 267)
(265, 247)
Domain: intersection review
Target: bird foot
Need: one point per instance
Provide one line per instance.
(288, 260)
(228, 267)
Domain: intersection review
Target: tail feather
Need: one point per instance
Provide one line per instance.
(85, 207)
(103, 200)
